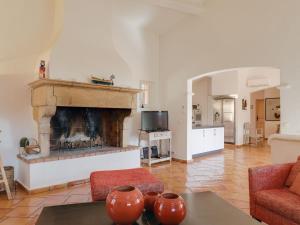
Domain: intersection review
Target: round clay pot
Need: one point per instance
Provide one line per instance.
(124, 205)
(149, 200)
(169, 209)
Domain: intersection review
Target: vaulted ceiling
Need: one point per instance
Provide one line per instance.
(184, 6)
(30, 27)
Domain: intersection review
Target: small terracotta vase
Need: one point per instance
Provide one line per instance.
(125, 205)
(169, 209)
(149, 200)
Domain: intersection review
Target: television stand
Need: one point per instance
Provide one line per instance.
(163, 153)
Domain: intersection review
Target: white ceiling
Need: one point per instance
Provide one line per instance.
(185, 6)
(157, 15)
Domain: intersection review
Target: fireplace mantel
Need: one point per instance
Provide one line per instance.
(48, 94)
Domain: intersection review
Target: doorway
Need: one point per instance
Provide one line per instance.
(260, 116)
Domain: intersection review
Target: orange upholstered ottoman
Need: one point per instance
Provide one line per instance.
(103, 181)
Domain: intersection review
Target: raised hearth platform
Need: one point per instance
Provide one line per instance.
(73, 154)
(69, 166)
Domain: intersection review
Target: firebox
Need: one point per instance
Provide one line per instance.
(82, 127)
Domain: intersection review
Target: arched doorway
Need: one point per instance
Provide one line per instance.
(236, 84)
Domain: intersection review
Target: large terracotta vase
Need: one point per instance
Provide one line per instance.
(169, 209)
(149, 200)
(124, 205)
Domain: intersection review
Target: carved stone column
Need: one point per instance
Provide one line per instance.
(126, 124)
(43, 115)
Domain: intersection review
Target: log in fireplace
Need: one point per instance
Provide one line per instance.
(84, 127)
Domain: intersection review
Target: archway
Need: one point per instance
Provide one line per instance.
(237, 83)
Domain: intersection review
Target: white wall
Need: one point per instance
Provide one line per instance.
(227, 35)
(202, 97)
(96, 39)
(16, 120)
(225, 83)
(85, 46)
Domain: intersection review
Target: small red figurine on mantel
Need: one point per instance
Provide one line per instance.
(42, 70)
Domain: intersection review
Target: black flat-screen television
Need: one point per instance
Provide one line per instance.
(154, 121)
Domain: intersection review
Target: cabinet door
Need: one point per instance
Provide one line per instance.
(208, 140)
(197, 141)
(218, 138)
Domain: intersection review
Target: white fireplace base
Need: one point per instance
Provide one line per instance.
(49, 173)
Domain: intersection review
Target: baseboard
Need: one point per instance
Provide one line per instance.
(207, 153)
(51, 188)
(182, 160)
(240, 146)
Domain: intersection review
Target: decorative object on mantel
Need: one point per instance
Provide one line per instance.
(169, 209)
(125, 204)
(42, 70)
(29, 146)
(98, 80)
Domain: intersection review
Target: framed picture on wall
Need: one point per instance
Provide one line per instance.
(272, 107)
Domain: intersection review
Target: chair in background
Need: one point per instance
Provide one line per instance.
(246, 133)
(258, 137)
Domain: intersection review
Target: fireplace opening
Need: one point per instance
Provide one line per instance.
(75, 128)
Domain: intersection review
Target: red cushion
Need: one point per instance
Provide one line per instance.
(293, 174)
(280, 201)
(103, 181)
(295, 188)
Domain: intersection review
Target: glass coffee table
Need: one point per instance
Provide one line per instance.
(204, 208)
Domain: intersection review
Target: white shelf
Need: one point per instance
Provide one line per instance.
(157, 160)
(156, 136)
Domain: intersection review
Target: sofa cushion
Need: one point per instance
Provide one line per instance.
(295, 188)
(280, 201)
(294, 172)
(102, 182)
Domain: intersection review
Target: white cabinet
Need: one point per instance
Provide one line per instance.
(207, 139)
(218, 138)
(149, 137)
(197, 141)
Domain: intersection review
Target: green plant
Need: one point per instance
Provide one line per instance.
(24, 142)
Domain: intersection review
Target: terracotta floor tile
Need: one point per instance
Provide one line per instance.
(31, 201)
(225, 173)
(3, 212)
(16, 221)
(55, 200)
(77, 199)
(9, 203)
(22, 212)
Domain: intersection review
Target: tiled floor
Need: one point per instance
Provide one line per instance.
(223, 173)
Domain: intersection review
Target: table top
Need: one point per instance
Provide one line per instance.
(204, 208)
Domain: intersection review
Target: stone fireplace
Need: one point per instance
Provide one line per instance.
(73, 115)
